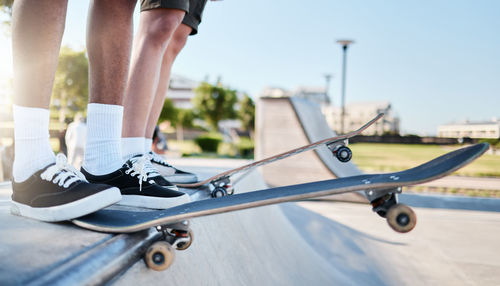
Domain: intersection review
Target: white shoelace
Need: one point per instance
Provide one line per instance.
(62, 173)
(142, 167)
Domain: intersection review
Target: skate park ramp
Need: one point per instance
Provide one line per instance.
(285, 123)
(258, 246)
(331, 243)
(310, 243)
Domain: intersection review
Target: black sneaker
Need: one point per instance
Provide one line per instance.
(60, 192)
(171, 173)
(140, 186)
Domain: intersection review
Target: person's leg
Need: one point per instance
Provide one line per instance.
(37, 29)
(156, 28)
(171, 173)
(188, 27)
(178, 41)
(103, 159)
(44, 187)
(109, 36)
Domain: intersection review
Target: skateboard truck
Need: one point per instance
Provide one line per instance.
(221, 187)
(400, 217)
(160, 255)
(341, 151)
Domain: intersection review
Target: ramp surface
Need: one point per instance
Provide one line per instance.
(272, 245)
(251, 247)
(286, 123)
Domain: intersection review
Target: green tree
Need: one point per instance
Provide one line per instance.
(214, 103)
(6, 9)
(70, 93)
(6, 6)
(169, 112)
(185, 119)
(180, 118)
(246, 113)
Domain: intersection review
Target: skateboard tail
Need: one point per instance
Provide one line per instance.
(455, 160)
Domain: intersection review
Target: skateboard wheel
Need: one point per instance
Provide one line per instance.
(186, 244)
(159, 256)
(401, 218)
(343, 154)
(219, 192)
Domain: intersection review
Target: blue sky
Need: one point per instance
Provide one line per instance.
(435, 61)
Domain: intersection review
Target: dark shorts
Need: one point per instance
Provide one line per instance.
(193, 8)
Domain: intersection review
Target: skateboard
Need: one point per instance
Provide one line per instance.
(173, 222)
(220, 184)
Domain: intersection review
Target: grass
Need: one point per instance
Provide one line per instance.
(375, 157)
(189, 148)
(456, 191)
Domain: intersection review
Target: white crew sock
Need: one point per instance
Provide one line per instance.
(103, 148)
(148, 143)
(31, 137)
(132, 146)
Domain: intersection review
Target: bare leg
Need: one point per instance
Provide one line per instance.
(156, 28)
(109, 38)
(37, 29)
(176, 44)
(43, 186)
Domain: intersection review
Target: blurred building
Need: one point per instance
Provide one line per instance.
(315, 94)
(275, 92)
(485, 129)
(356, 114)
(181, 91)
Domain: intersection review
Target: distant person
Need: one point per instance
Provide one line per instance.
(159, 142)
(76, 138)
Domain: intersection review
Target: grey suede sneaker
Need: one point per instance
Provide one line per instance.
(171, 173)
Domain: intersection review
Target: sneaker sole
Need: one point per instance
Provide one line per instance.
(153, 202)
(181, 179)
(71, 210)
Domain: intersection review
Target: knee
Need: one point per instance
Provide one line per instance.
(177, 44)
(118, 9)
(159, 31)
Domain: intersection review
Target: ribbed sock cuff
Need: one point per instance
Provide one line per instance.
(32, 146)
(148, 142)
(132, 146)
(103, 148)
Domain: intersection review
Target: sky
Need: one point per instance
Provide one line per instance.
(435, 61)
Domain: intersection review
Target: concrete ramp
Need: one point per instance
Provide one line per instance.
(258, 246)
(273, 245)
(286, 123)
(251, 247)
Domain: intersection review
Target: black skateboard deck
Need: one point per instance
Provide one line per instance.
(174, 225)
(116, 221)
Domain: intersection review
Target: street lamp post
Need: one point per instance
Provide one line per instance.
(344, 44)
(328, 77)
